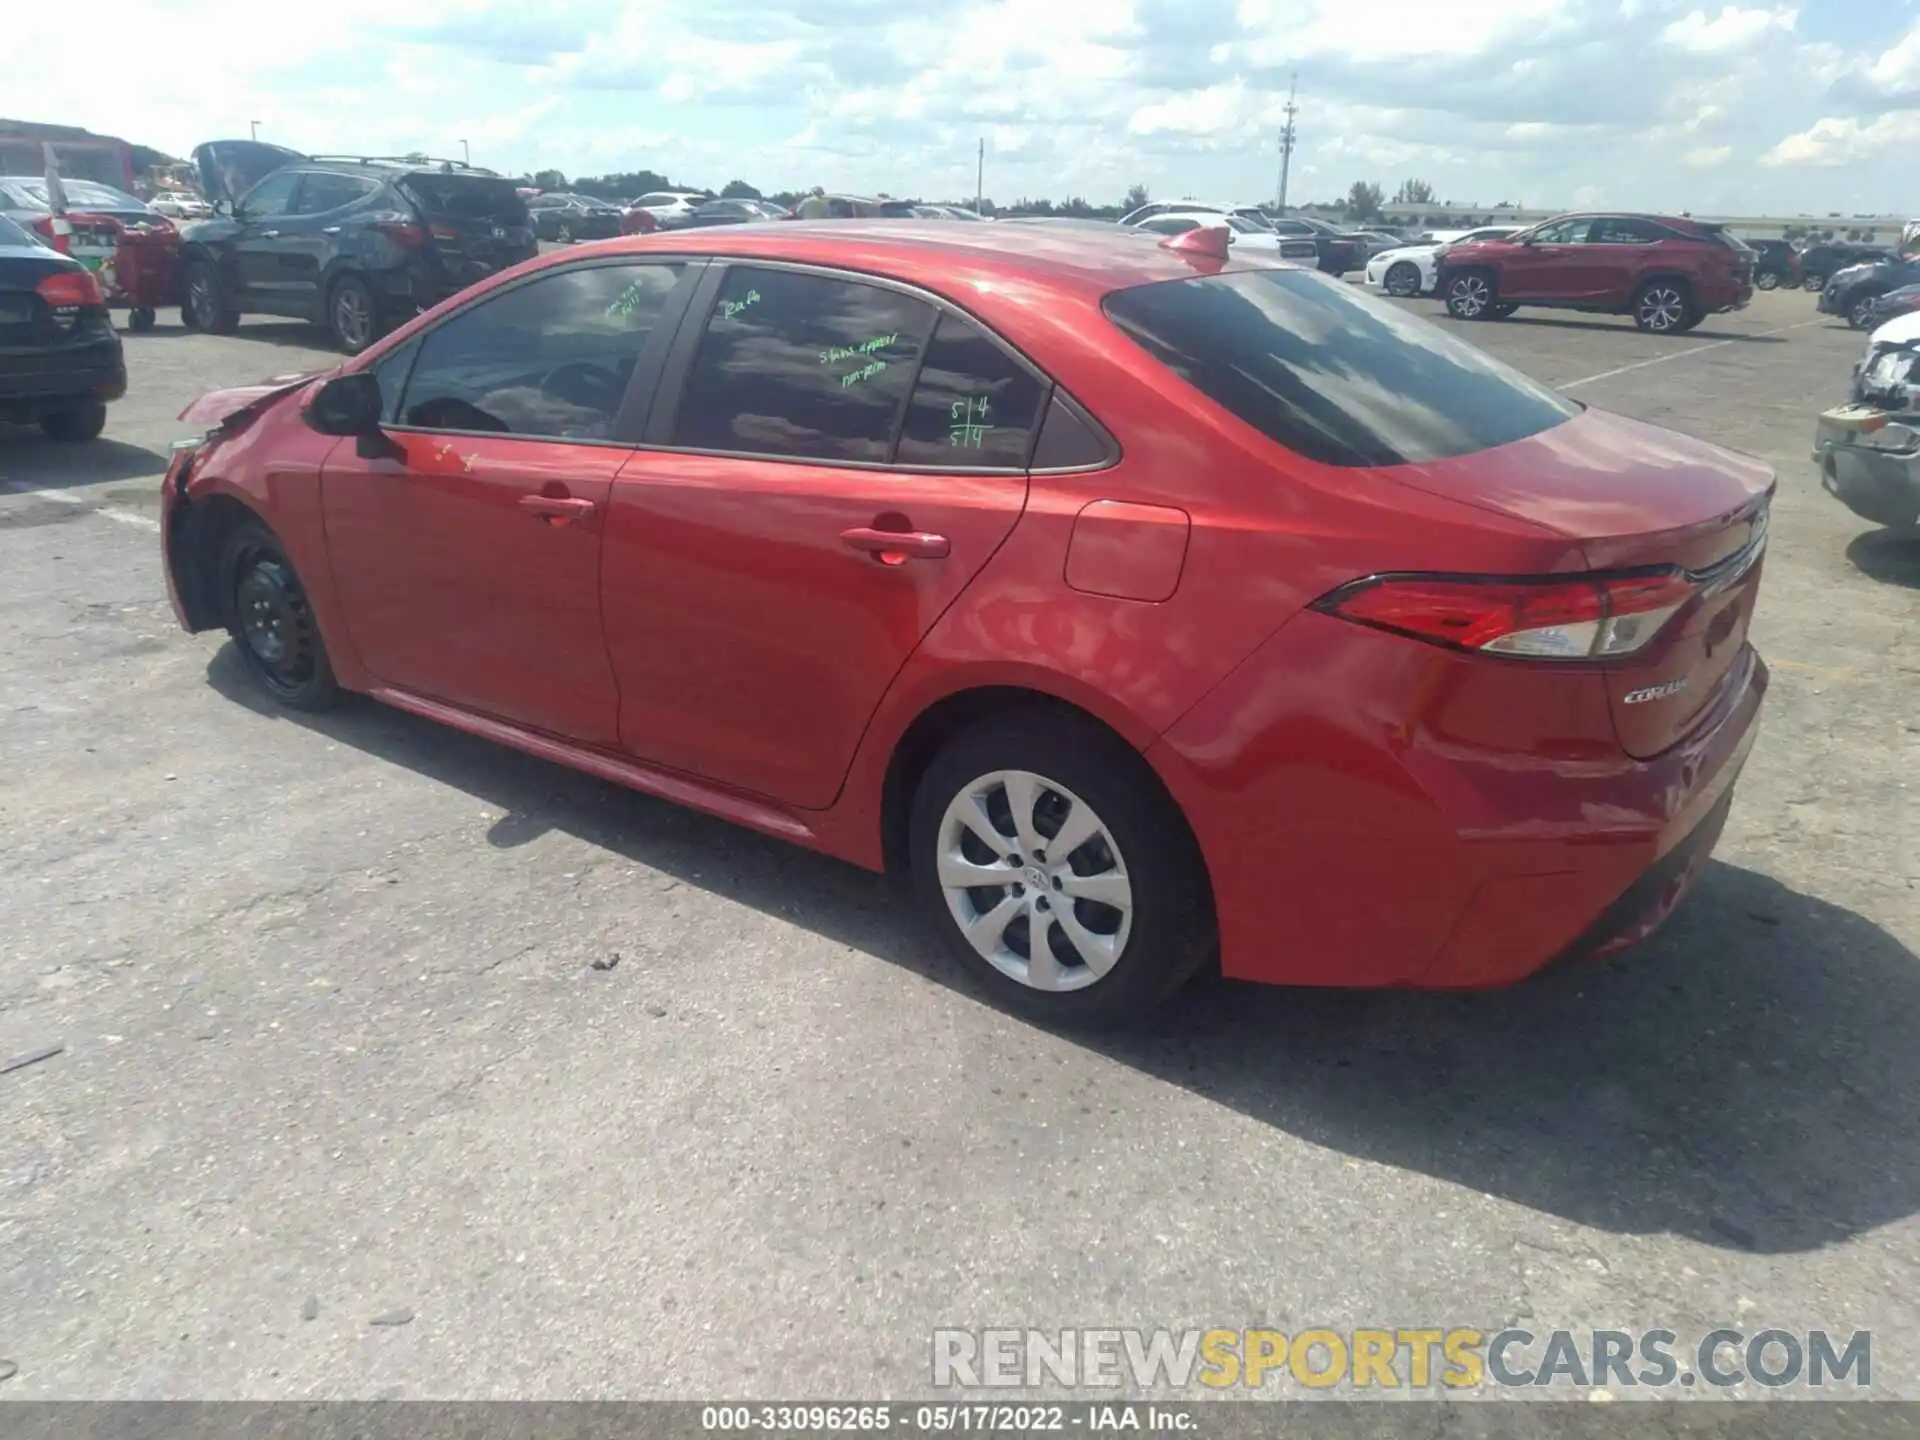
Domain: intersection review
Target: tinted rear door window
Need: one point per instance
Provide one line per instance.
(974, 406)
(1331, 374)
(804, 366)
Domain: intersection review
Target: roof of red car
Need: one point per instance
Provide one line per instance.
(1083, 260)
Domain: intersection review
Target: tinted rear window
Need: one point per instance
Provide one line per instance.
(468, 196)
(1331, 374)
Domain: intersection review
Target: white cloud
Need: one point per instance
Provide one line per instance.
(1897, 71)
(1831, 142)
(1706, 157)
(1731, 30)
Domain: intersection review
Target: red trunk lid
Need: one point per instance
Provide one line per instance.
(1633, 495)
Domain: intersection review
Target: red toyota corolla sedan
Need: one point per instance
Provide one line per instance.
(1142, 605)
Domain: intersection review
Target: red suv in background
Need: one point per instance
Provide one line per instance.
(1668, 274)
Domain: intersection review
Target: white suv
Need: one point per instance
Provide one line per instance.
(668, 207)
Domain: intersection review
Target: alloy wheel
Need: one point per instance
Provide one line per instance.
(1767, 281)
(1035, 880)
(353, 316)
(200, 300)
(1469, 296)
(1662, 307)
(1403, 280)
(1861, 316)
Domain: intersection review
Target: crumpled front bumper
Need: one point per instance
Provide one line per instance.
(1869, 460)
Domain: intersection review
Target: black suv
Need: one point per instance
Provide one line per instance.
(1851, 292)
(356, 244)
(1776, 264)
(1818, 263)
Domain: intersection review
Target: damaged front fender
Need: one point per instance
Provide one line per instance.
(1869, 460)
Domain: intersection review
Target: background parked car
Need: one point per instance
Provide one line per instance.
(1667, 272)
(565, 218)
(731, 212)
(176, 206)
(1818, 263)
(1252, 214)
(1243, 233)
(1851, 292)
(60, 361)
(1339, 251)
(1894, 304)
(23, 200)
(669, 208)
(1414, 269)
(1777, 264)
(357, 245)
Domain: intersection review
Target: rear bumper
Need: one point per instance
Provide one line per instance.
(1374, 812)
(1876, 484)
(91, 371)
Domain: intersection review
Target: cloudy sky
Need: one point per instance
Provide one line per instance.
(1657, 104)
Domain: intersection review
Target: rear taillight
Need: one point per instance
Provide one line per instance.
(411, 236)
(66, 289)
(1595, 617)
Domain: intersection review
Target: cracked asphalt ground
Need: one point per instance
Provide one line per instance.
(336, 1049)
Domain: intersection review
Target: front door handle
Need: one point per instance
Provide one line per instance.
(557, 509)
(329, 229)
(269, 234)
(891, 547)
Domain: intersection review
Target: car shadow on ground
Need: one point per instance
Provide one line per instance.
(1887, 556)
(29, 461)
(1743, 1080)
(297, 334)
(1621, 325)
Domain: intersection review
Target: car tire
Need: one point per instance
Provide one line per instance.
(1035, 772)
(1815, 283)
(1860, 311)
(83, 420)
(1471, 295)
(1402, 279)
(353, 314)
(141, 319)
(564, 234)
(1766, 280)
(1664, 307)
(271, 621)
(203, 301)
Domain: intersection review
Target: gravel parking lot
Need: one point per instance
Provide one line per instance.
(345, 1042)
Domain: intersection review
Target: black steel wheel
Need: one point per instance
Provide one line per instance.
(272, 622)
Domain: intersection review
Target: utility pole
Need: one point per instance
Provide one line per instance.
(466, 155)
(256, 128)
(1286, 140)
(980, 176)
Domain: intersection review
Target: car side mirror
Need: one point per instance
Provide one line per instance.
(351, 405)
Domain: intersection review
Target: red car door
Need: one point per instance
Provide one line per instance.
(1548, 264)
(468, 557)
(835, 462)
(1623, 248)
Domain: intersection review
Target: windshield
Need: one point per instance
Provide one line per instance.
(1331, 374)
(81, 194)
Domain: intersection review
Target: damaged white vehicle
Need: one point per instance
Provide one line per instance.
(1868, 450)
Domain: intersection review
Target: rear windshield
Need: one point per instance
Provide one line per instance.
(1331, 374)
(468, 196)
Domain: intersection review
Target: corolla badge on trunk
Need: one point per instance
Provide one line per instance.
(1654, 692)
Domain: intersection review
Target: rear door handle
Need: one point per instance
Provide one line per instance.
(557, 509)
(330, 230)
(269, 234)
(903, 544)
